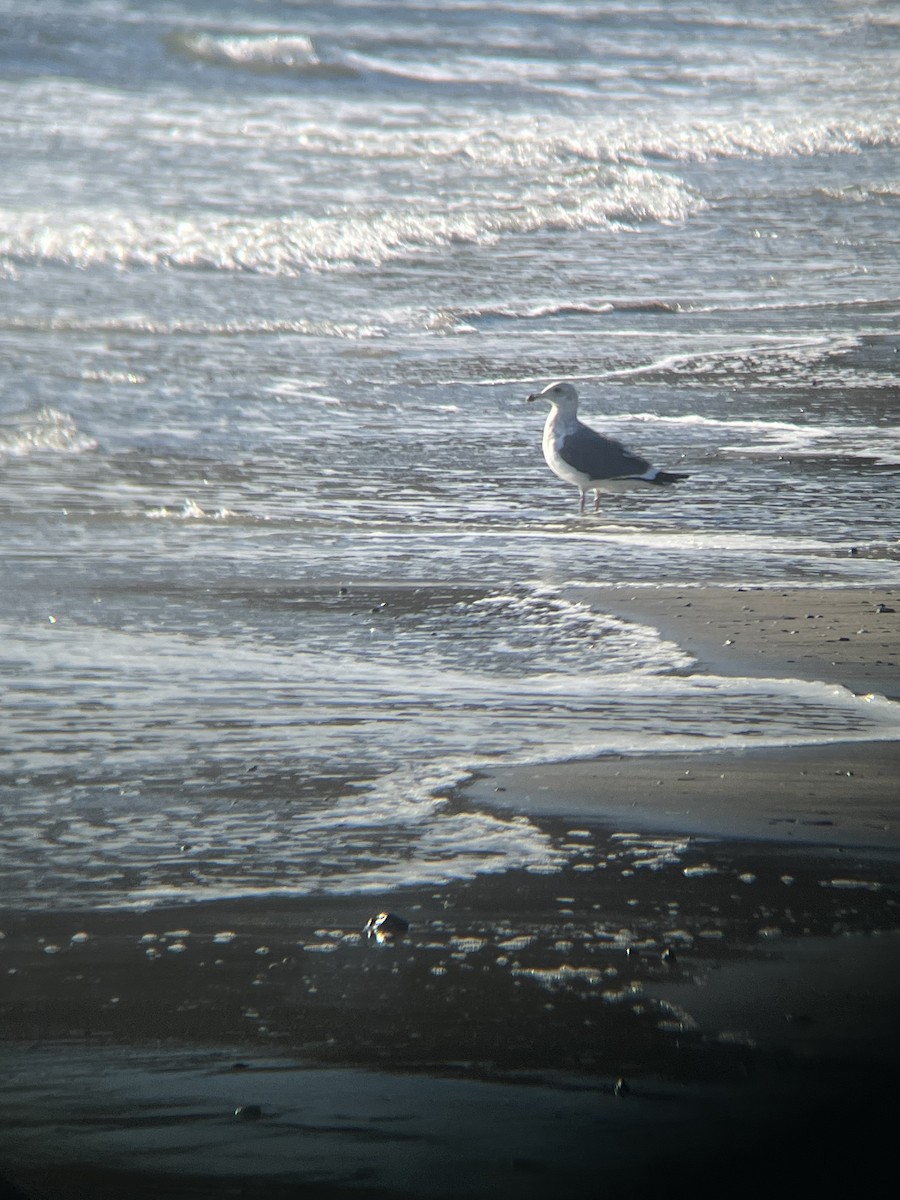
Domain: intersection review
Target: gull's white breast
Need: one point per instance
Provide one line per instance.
(556, 430)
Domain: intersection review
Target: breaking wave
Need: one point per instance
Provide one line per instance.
(262, 52)
(288, 245)
(453, 320)
(44, 431)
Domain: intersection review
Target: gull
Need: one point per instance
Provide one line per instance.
(580, 455)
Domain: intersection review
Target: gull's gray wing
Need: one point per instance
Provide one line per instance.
(599, 457)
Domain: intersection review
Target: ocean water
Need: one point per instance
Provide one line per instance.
(281, 559)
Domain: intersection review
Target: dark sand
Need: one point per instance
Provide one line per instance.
(845, 794)
(726, 939)
(833, 634)
(840, 794)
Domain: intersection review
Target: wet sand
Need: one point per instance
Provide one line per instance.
(747, 996)
(844, 794)
(834, 634)
(838, 794)
(726, 938)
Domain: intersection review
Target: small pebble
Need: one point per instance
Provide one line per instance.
(386, 926)
(248, 1112)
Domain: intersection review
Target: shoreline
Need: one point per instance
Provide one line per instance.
(835, 793)
(833, 634)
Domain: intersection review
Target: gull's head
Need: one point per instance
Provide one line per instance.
(563, 395)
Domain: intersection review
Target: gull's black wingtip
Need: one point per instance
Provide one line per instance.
(664, 477)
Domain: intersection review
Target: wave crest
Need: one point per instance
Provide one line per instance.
(458, 320)
(294, 243)
(46, 430)
(262, 52)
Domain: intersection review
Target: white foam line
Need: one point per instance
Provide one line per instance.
(767, 343)
(747, 584)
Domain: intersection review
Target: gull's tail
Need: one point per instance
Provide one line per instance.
(668, 477)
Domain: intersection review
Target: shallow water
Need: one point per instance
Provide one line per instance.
(282, 558)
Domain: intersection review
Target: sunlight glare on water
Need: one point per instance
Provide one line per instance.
(283, 559)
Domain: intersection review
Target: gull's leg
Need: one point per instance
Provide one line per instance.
(596, 502)
(581, 509)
